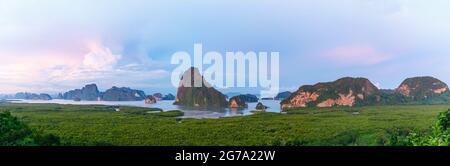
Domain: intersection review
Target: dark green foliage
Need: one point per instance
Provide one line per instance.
(174, 113)
(138, 110)
(439, 136)
(201, 97)
(399, 99)
(81, 125)
(15, 133)
(396, 137)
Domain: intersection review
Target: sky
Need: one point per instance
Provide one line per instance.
(52, 46)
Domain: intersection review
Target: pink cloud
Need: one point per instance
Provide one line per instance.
(39, 71)
(356, 55)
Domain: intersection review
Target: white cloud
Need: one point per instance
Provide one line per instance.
(100, 58)
(102, 66)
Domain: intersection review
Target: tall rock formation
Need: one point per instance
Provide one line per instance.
(202, 95)
(123, 94)
(422, 88)
(89, 92)
(346, 91)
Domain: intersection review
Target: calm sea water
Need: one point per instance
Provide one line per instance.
(167, 105)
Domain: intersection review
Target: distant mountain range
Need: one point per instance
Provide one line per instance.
(347, 91)
(350, 92)
(90, 92)
(32, 96)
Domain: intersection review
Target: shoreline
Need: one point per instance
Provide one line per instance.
(165, 105)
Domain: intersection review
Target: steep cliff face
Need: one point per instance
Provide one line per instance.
(123, 94)
(89, 93)
(343, 92)
(44, 96)
(59, 96)
(421, 88)
(198, 96)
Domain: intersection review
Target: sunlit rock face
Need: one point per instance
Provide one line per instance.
(420, 88)
(200, 95)
(343, 92)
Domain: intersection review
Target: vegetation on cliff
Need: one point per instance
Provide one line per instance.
(346, 91)
(361, 92)
(198, 96)
(422, 88)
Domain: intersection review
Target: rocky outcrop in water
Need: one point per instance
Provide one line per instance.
(237, 102)
(123, 94)
(169, 97)
(343, 92)
(88, 93)
(150, 100)
(241, 101)
(158, 96)
(202, 95)
(249, 98)
(261, 106)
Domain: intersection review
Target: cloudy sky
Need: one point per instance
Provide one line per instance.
(56, 45)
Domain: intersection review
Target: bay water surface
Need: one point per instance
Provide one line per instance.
(167, 105)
